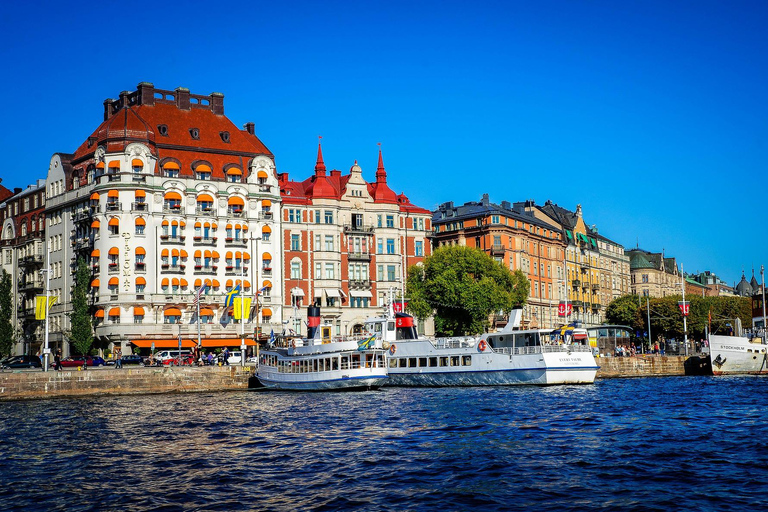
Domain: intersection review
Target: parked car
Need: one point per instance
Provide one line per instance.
(164, 355)
(128, 359)
(17, 362)
(234, 357)
(75, 361)
(184, 360)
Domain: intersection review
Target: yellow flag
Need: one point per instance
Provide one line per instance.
(40, 309)
(238, 307)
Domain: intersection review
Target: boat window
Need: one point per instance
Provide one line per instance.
(466, 361)
(390, 326)
(432, 362)
(326, 330)
(355, 363)
(454, 360)
(403, 362)
(335, 363)
(411, 362)
(422, 362)
(443, 361)
(393, 363)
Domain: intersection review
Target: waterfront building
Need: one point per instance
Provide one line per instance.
(598, 268)
(715, 285)
(23, 227)
(346, 244)
(519, 240)
(653, 274)
(165, 196)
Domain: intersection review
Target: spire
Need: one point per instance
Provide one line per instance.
(320, 165)
(381, 174)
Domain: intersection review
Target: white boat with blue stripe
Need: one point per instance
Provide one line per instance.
(322, 362)
(507, 357)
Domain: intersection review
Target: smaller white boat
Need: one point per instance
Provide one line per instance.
(738, 355)
(322, 362)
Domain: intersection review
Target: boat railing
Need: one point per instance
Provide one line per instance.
(454, 342)
(538, 349)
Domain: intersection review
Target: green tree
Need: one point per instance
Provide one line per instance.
(7, 332)
(626, 310)
(462, 286)
(81, 335)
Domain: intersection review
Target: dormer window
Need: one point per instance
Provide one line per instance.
(203, 172)
(195, 133)
(224, 136)
(162, 129)
(171, 170)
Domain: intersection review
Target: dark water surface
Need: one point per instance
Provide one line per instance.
(623, 444)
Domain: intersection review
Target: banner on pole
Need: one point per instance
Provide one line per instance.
(238, 307)
(684, 307)
(561, 309)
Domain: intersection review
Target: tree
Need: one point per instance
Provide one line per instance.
(81, 335)
(625, 310)
(462, 286)
(7, 332)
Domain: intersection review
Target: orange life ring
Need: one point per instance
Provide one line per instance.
(482, 345)
(392, 349)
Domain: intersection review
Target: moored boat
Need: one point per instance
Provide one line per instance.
(322, 362)
(507, 357)
(738, 354)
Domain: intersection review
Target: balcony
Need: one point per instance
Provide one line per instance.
(172, 269)
(576, 303)
(206, 270)
(82, 244)
(236, 271)
(114, 207)
(266, 271)
(113, 176)
(497, 250)
(140, 267)
(36, 259)
(81, 216)
(113, 268)
(576, 282)
(358, 256)
(359, 284)
(595, 287)
(235, 241)
(139, 207)
(238, 214)
(172, 208)
(204, 211)
(169, 239)
(358, 229)
(596, 306)
(265, 188)
(31, 286)
(265, 215)
(206, 241)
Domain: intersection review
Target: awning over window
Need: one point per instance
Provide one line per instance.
(113, 281)
(229, 226)
(569, 234)
(175, 253)
(198, 225)
(95, 253)
(262, 174)
(141, 193)
(140, 251)
(266, 256)
(175, 281)
(246, 256)
(206, 312)
(165, 282)
(183, 253)
(297, 292)
(247, 284)
(215, 255)
(267, 284)
(170, 165)
(141, 281)
(114, 221)
(114, 312)
(332, 292)
(138, 311)
(95, 196)
(175, 223)
(215, 283)
(113, 193)
(360, 293)
(234, 171)
(114, 164)
(141, 222)
(228, 256)
(225, 342)
(204, 198)
(266, 229)
(207, 254)
(165, 253)
(100, 165)
(172, 195)
(95, 224)
(114, 251)
(266, 312)
(95, 283)
(198, 253)
(183, 282)
(99, 313)
(137, 163)
(166, 223)
(202, 168)
(229, 284)
(235, 201)
(164, 343)
(172, 312)
(266, 202)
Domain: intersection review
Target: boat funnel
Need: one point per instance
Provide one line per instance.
(514, 318)
(313, 321)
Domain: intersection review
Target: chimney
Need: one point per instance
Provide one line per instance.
(217, 103)
(335, 172)
(485, 200)
(146, 93)
(182, 98)
(17, 190)
(250, 128)
(108, 108)
(506, 205)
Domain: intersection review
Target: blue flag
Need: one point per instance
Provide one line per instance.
(229, 300)
(366, 343)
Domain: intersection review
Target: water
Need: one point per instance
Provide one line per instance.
(623, 444)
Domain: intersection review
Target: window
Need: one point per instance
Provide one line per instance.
(295, 270)
(329, 216)
(295, 243)
(328, 242)
(329, 271)
(645, 278)
(380, 246)
(380, 272)
(317, 217)
(318, 270)
(390, 272)
(419, 248)
(390, 221)
(378, 221)
(495, 219)
(390, 246)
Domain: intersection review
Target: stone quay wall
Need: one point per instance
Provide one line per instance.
(21, 385)
(640, 366)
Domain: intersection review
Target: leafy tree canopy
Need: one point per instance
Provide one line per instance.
(462, 286)
(7, 332)
(81, 335)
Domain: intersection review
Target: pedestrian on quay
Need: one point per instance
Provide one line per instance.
(226, 356)
(57, 360)
(118, 357)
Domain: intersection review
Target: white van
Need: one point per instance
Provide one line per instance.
(165, 355)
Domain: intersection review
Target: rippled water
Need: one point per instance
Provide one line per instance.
(625, 444)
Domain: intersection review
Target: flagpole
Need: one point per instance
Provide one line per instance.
(685, 318)
(199, 340)
(242, 316)
(46, 350)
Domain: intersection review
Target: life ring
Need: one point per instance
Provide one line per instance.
(392, 349)
(482, 345)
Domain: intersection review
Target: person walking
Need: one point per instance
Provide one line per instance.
(118, 357)
(226, 356)
(57, 360)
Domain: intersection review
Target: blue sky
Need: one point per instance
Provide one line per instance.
(651, 115)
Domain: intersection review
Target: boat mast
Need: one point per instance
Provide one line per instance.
(762, 278)
(685, 318)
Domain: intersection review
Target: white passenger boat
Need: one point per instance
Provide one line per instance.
(506, 357)
(737, 355)
(322, 362)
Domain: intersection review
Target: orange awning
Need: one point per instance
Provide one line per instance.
(175, 281)
(113, 281)
(235, 201)
(238, 255)
(202, 168)
(246, 256)
(113, 193)
(267, 284)
(215, 283)
(164, 282)
(114, 221)
(166, 223)
(183, 253)
(215, 226)
(114, 164)
(164, 252)
(140, 280)
(95, 224)
(165, 343)
(99, 313)
(137, 163)
(198, 254)
(172, 195)
(114, 251)
(140, 251)
(138, 311)
(266, 256)
(266, 202)
(198, 283)
(229, 226)
(100, 165)
(228, 256)
(95, 253)
(175, 223)
(141, 193)
(207, 254)
(245, 227)
(208, 282)
(172, 312)
(141, 222)
(170, 165)
(175, 253)
(262, 174)
(225, 342)
(207, 225)
(114, 312)
(198, 225)
(234, 171)
(266, 312)
(206, 312)
(95, 196)
(229, 284)
(183, 282)
(95, 283)
(182, 224)
(266, 229)
(215, 255)
(247, 284)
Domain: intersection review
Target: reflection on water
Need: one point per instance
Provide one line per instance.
(644, 444)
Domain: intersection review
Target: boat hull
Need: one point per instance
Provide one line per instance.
(737, 355)
(342, 383)
(487, 368)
